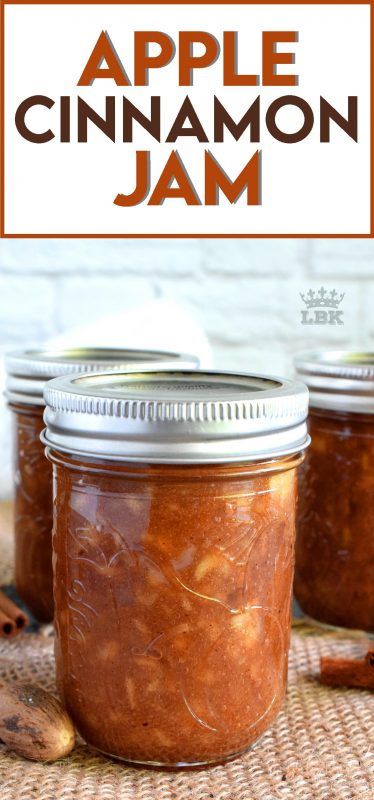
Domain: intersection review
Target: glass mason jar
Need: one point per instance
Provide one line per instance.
(334, 576)
(174, 518)
(28, 373)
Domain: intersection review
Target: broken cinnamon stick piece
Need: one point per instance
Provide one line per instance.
(12, 611)
(351, 672)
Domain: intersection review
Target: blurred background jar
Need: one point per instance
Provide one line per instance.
(175, 499)
(334, 576)
(27, 373)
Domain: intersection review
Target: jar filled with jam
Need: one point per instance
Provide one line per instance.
(334, 576)
(27, 374)
(173, 542)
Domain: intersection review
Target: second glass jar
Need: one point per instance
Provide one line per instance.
(27, 373)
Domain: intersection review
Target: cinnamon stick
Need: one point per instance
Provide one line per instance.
(12, 611)
(12, 619)
(351, 672)
(7, 626)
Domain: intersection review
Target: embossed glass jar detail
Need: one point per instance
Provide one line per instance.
(28, 373)
(173, 551)
(334, 576)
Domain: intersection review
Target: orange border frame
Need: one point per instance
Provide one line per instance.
(4, 235)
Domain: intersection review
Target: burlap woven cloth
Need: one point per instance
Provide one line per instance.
(320, 747)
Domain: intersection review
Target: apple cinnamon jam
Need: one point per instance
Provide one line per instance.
(334, 576)
(28, 373)
(173, 543)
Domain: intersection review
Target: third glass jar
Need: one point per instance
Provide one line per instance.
(334, 575)
(174, 517)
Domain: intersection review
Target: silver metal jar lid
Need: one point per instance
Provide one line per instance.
(29, 370)
(338, 380)
(176, 417)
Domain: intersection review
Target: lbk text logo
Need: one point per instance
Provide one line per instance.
(322, 308)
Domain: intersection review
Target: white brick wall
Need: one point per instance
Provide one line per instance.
(245, 294)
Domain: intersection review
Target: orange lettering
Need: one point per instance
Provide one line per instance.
(174, 170)
(142, 182)
(103, 50)
(271, 57)
(143, 61)
(187, 61)
(230, 57)
(216, 178)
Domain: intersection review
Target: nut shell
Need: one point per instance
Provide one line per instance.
(34, 724)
